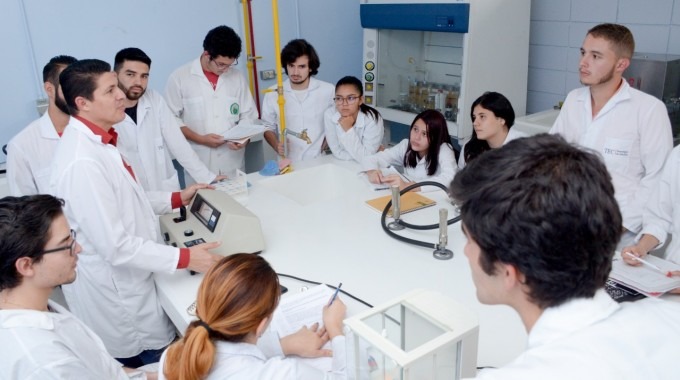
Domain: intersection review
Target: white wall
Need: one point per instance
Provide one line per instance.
(171, 32)
(558, 28)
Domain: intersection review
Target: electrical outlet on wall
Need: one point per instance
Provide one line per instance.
(267, 74)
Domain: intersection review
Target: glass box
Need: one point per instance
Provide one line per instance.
(421, 335)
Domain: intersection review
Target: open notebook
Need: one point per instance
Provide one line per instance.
(644, 279)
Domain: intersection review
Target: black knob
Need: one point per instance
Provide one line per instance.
(188, 232)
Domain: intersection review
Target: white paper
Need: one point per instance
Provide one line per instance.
(243, 130)
(303, 309)
(385, 172)
(647, 280)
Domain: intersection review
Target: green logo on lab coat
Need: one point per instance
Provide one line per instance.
(234, 109)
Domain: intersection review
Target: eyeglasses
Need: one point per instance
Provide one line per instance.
(71, 247)
(349, 100)
(223, 66)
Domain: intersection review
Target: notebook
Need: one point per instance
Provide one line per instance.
(409, 202)
(646, 280)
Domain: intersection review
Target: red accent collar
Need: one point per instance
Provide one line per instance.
(212, 78)
(110, 137)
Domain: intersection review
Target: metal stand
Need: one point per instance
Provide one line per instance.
(396, 210)
(442, 253)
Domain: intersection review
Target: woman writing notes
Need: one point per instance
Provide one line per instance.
(354, 130)
(492, 119)
(426, 155)
(235, 304)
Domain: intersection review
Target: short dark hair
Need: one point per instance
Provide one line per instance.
(437, 135)
(545, 207)
(501, 107)
(130, 54)
(620, 38)
(80, 79)
(222, 41)
(356, 83)
(296, 49)
(24, 231)
(53, 67)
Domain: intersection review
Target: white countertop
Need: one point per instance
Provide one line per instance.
(317, 227)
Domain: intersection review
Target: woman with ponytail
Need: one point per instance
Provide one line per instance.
(234, 306)
(492, 119)
(354, 129)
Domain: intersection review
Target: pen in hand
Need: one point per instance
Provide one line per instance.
(334, 294)
(645, 262)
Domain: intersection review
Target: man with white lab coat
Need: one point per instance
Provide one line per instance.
(630, 129)
(40, 339)
(30, 152)
(209, 97)
(306, 100)
(149, 135)
(542, 224)
(115, 294)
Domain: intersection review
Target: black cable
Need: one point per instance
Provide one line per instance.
(391, 233)
(330, 286)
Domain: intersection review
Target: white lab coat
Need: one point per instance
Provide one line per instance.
(114, 293)
(395, 157)
(599, 339)
(196, 105)
(149, 145)
(245, 361)
(662, 212)
(359, 142)
(632, 133)
(306, 114)
(29, 156)
(512, 134)
(52, 345)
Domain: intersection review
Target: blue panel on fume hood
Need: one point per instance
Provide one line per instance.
(452, 18)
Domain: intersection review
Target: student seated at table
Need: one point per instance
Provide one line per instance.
(661, 216)
(354, 130)
(492, 119)
(542, 223)
(235, 304)
(427, 155)
(40, 339)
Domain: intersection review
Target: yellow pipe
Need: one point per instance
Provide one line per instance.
(279, 76)
(249, 62)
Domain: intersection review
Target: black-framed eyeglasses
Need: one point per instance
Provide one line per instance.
(349, 100)
(71, 247)
(223, 66)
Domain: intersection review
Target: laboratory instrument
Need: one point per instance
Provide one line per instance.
(214, 216)
(440, 251)
(419, 335)
(443, 54)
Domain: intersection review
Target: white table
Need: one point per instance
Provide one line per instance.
(317, 227)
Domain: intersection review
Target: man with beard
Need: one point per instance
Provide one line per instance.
(630, 129)
(30, 152)
(307, 99)
(209, 96)
(149, 135)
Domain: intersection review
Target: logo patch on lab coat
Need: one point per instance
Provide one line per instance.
(233, 109)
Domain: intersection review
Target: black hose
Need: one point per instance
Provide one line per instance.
(389, 232)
